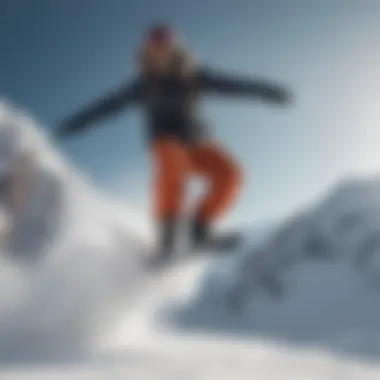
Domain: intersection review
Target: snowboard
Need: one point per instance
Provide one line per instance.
(224, 245)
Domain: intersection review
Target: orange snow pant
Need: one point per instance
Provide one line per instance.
(175, 162)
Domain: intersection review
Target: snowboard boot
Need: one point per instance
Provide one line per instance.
(166, 244)
(202, 237)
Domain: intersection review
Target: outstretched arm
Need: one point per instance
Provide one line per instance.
(98, 110)
(212, 81)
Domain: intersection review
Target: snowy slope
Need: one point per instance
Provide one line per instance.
(75, 302)
(313, 283)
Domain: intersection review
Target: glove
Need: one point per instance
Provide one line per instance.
(276, 94)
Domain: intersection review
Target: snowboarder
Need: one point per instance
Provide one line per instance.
(168, 86)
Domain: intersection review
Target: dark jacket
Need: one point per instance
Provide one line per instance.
(171, 103)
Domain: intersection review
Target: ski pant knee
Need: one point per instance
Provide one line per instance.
(175, 162)
(171, 171)
(224, 176)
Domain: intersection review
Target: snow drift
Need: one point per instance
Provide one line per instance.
(72, 261)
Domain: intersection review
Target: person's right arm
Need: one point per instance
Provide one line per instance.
(100, 109)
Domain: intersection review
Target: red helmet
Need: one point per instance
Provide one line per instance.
(160, 34)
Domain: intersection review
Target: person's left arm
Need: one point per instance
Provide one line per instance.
(217, 82)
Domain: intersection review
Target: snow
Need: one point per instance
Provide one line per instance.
(59, 286)
(76, 302)
(325, 261)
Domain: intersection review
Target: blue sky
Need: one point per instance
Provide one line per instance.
(58, 55)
